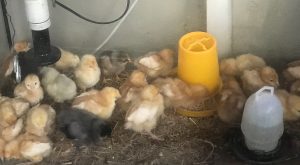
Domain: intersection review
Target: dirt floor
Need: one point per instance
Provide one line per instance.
(185, 141)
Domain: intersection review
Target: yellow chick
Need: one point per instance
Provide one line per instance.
(253, 80)
(101, 103)
(155, 64)
(2, 145)
(145, 111)
(58, 86)
(179, 94)
(40, 120)
(87, 73)
(9, 133)
(30, 89)
(35, 148)
(67, 61)
(231, 101)
(291, 105)
(8, 115)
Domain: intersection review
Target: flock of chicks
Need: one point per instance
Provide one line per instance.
(25, 122)
(247, 73)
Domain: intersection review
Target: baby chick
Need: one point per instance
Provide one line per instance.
(30, 89)
(12, 148)
(67, 61)
(291, 105)
(34, 148)
(249, 62)
(87, 73)
(22, 46)
(177, 93)
(136, 81)
(145, 111)
(253, 80)
(231, 101)
(7, 114)
(20, 106)
(58, 86)
(155, 64)
(82, 125)
(295, 88)
(113, 62)
(9, 133)
(101, 103)
(228, 67)
(40, 120)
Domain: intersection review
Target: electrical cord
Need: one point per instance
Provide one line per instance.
(89, 20)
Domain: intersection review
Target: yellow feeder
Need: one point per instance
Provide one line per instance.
(198, 60)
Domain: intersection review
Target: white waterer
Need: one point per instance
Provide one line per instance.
(262, 122)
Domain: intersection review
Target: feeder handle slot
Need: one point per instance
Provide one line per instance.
(265, 89)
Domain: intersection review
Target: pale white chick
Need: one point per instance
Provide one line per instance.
(177, 93)
(145, 111)
(155, 64)
(253, 80)
(11, 132)
(67, 61)
(87, 73)
(231, 101)
(30, 89)
(40, 120)
(101, 103)
(58, 86)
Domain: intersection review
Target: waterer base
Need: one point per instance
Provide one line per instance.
(285, 151)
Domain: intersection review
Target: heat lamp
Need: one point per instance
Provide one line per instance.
(42, 53)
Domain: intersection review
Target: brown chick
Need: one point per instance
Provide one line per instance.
(2, 146)
(155, 64)
(295, 88)
(40, 120)
(291, 105)
(9, 133)
(228, 67)
(101, 103)
(135, 82)
(231, 101)
(145, 111)
(35, 148)
(8, 115)
(67, 61)
(22, 46)
(253, 80)
(179, 94)
(30, 89)
(249, 62)
(87, 73)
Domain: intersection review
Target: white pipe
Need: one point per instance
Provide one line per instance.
(116, 27)
(219, 24)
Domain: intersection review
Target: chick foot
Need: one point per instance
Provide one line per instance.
(153, 136)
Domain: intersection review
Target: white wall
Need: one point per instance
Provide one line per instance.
(153, 24)
(270, 28)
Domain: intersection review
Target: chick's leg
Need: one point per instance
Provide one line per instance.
(153, 136)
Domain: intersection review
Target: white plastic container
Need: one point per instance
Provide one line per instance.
(262, 122)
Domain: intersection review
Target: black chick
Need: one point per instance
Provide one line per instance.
(113, 62)
(82, 125)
